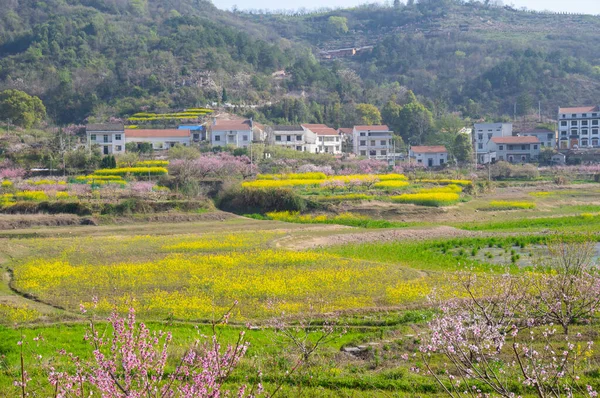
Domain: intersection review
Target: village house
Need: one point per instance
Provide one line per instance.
(546, 137)
(328, 139)
(429, 156)
(159, 138)
(517, 149)
(110, 137)
(579, 128)
(347, 134)
(559, 159)
(237, 133)
(483, 133)
(372, 141)
(198, 132)
(292, 137)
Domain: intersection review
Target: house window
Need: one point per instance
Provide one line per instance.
(594, 142)
(299, 148)
(490, 136)
(480, 137)
(118, 137)
(574, 123)
(594, 122)
(93, 137)
(594, 131)
(584, 115)
(584, 122)
(523, 158)
(277, 138)
(289, 137)
(363, 134)
(574, 115)
(584, 142)
(510, 147)
(372, 153)
(298, 138)
(550, 136)
(535, 147)
(320, 138)
(363, 153)
(383, 152)
(383, 142)
(563, 133)
(363, 143)
(501, 147)
(441, 162)
(245, 138)
(337, 147)
(118, 148)
(584, 132)
(563, 123)
(523, 147)
(105, 138)
(372, 142)
(217, 138)
(419, 160)
(480, 146)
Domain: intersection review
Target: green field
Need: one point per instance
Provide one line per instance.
(373, 283)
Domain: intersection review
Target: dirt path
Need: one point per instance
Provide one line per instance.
(389, 235)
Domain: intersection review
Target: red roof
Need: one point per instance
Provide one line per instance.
(581, 109)
(148, 133)
(381, 127)
(230, 125)
(429, 149)
(516, 140)
(344, 130)
(324, 131)
(314, 126)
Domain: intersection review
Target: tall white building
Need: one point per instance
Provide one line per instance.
(328, 139)
(110, 137)
(578, 128)
(372, 141)
(292, 137)
(482, 138)
(237, 133)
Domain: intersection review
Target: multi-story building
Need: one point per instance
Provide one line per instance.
(328, 139)
(238, 133)
(372, 141)
(159, 138)
(579, 128)
(429, 156)
(516, 149)
(110, 137)
(482, 139)
(546, 137)
(292, 137)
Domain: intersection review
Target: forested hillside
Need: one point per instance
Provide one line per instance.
(104, 58)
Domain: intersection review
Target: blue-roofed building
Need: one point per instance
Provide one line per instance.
(198, 132)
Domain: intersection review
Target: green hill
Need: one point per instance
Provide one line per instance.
(105, 58)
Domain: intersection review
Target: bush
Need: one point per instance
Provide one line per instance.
(509, 205)
(248, 201)
(428, 199)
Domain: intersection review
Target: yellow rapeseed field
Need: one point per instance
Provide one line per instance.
(193, 277)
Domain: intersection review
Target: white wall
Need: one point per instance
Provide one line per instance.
(238, 138)
(161, 142)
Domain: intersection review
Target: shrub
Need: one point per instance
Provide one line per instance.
(428, 199)
(6, 184)
(444, 181)
(248, 201)
(136, 171)
(346, 197)
(280, 183)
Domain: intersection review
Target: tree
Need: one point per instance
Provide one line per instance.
(337, 25)
(415, 122)
(462, 148)
(224, 97)
(21, 108)
(390, 114)
(367, 114)
(524, 104)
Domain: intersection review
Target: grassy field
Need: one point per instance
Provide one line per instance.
(374, 283)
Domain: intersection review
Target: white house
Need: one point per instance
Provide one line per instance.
(429, 156)
(517, 149)
(110, 137)
(238, 133)
(482, 138)
(546, 137)
(559, 159)
(328, 139)
(159, 138)
(578, 128)
(372, 141)
(292, 137)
